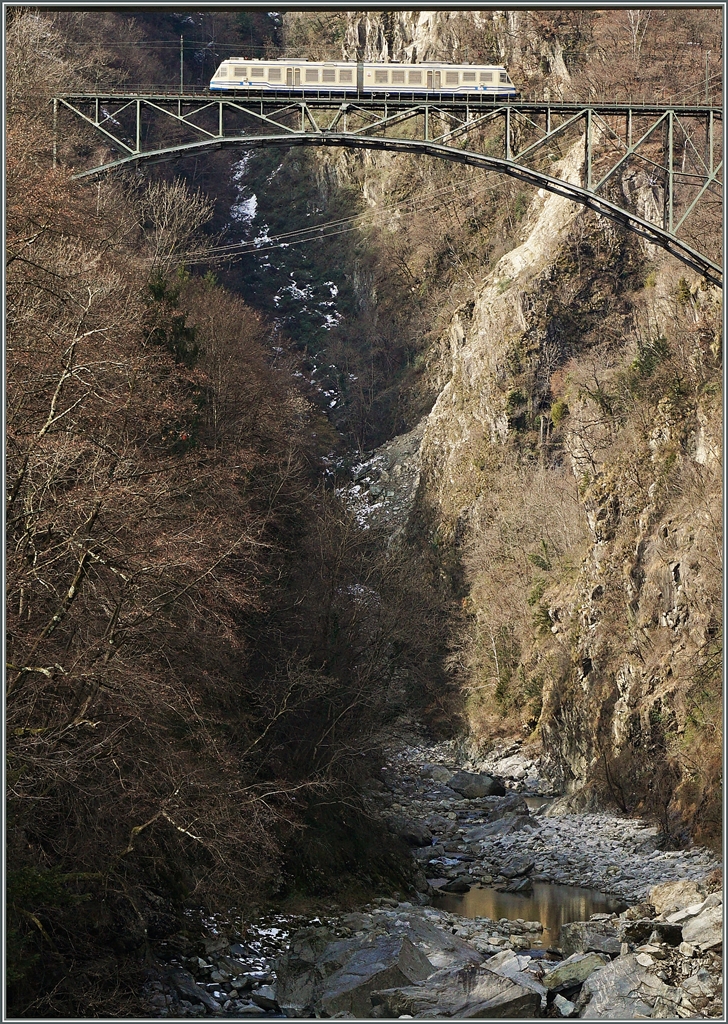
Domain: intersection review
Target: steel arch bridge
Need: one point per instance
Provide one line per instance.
(673, 154)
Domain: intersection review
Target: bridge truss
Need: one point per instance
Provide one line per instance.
(666, 161)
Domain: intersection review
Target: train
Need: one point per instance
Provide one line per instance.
(362, 78)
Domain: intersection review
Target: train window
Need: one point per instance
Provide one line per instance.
(312, 75)
(240, 72)
(345, 75)
(274, 74)
(468, 76)
(486, 76)
(503, 77)
(221, 72)
(398, 78)
(328, 75)
(257, 72)
(452, 78)
(381, 76)
(415, 78)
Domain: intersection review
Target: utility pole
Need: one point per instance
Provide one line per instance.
(181, 64)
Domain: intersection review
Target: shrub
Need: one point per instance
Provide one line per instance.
(559, 411)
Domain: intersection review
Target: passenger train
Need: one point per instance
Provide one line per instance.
(362, 78)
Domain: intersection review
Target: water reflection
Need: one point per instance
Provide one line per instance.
(534, 802)
(552, 905)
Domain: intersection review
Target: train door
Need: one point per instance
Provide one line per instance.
(293, 77)
(433, 79)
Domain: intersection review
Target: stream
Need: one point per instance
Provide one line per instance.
(480, 827)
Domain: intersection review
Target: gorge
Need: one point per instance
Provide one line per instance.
(437, 492)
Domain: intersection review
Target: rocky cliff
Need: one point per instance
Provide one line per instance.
(571, 463)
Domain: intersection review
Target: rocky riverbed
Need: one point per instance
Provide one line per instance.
(470, 828)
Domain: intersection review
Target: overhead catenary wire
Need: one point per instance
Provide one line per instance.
(317, 232)
(392, 207)
(304, 233)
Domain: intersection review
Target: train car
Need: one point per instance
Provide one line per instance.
(363, 78)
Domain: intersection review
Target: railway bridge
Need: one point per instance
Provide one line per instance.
(673, 154)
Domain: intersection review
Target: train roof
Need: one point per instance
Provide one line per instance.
(353, 63)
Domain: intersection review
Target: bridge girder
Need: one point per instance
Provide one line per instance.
(667, 136)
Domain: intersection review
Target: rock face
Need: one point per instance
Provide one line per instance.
(499, 362)
(426, 35)
(463, 994)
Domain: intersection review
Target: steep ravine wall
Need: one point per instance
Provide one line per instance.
(514, 38)
(624, 650)
(578, 407)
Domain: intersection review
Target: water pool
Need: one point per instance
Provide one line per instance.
(552, 905)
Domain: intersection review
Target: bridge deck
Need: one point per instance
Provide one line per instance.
(394, 100)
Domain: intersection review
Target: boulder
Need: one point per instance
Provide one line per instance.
(313, 954)
(463, 994)
(590, 936)
(247, 1010)
(564, 1006)
(501, 827)
(456, 885)
(624, 990)
(517, 866)
(188, 988)
(705, 930)
(413, 832)
(437, 772)
(672, 896)
(635, 931)
(646, 929)
(511, 965)
(388, 961)
(510, 803)
(574, 970)
(438, 822)
(472, 786)
(440, 946)
(636, 912)
(702, 985)
(522, 885)
(265, 998)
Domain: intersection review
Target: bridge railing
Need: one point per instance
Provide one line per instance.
(485, 99)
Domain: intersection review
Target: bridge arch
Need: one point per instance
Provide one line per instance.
(651, 232)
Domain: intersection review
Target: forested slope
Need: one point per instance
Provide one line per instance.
(201, 644)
